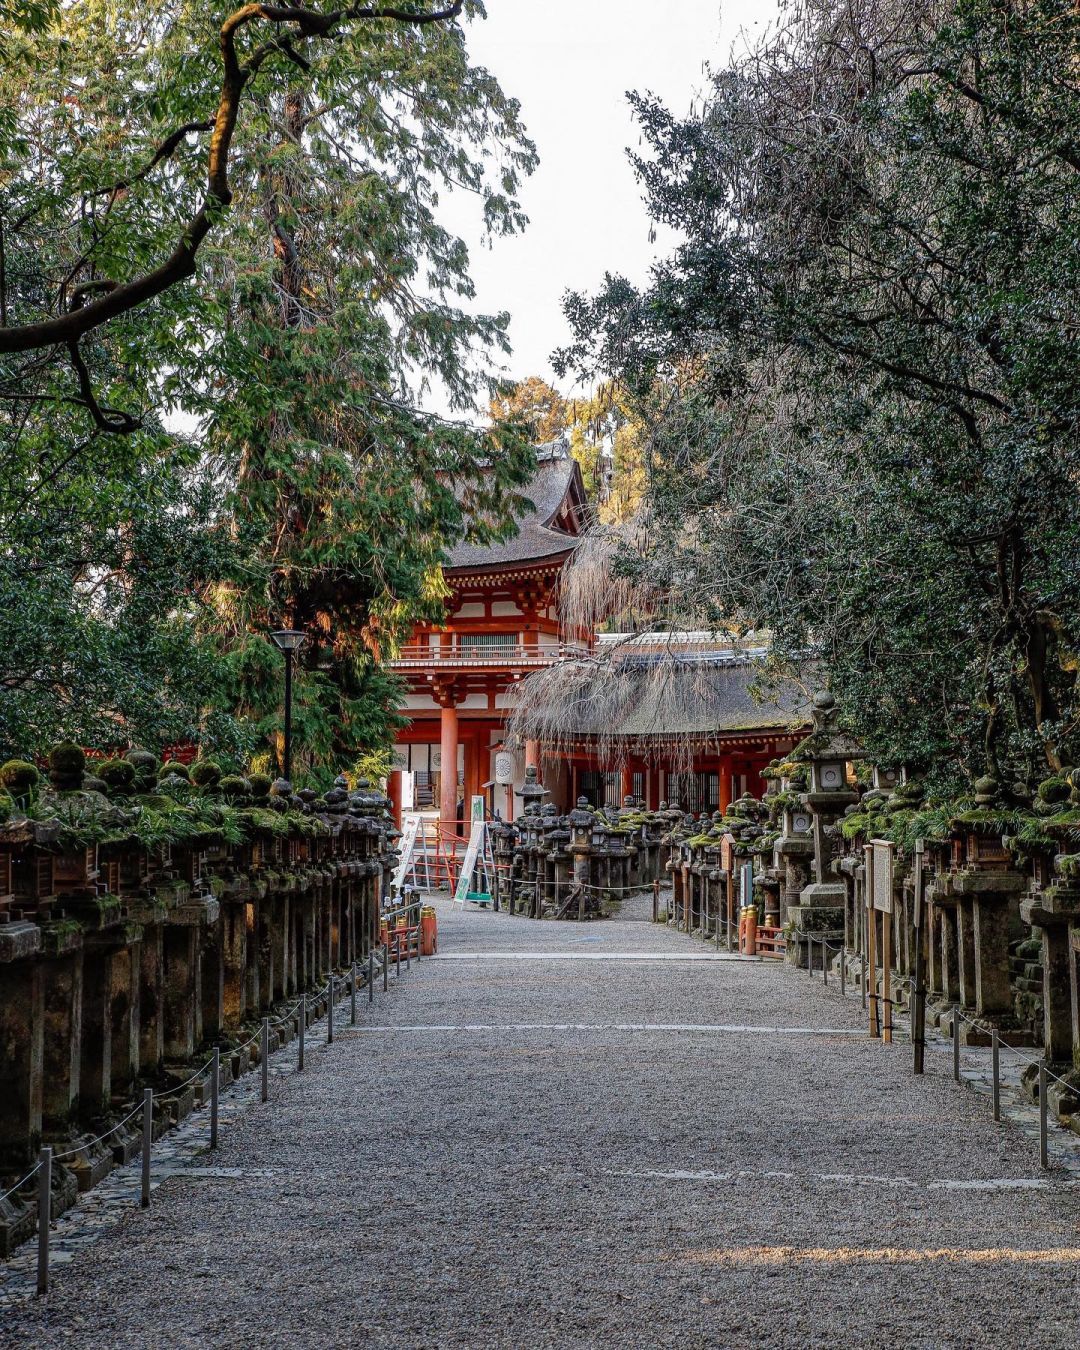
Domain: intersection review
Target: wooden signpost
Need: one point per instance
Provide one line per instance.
(871, 936)
(918, 992)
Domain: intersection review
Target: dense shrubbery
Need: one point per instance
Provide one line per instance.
(858, 371)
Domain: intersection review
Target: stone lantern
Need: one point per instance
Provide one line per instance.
(827, 750)
(581, 822)
(792, 852)
(985, 890)
(530, 791)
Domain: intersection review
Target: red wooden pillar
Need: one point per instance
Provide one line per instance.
(448, 745)
(393, 791)
(725, 782)
(627, 787)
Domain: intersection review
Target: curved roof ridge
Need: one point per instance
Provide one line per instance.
(557, 477)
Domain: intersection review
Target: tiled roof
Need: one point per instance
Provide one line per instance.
(536, 539)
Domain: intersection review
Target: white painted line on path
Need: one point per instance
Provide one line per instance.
(596, 956)
(708, 1027)
(857, 1179)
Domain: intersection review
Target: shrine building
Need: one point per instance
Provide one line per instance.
(503, 626)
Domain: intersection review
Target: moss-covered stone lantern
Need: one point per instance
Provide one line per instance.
(827, 751)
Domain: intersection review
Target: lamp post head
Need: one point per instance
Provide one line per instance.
(288, 639)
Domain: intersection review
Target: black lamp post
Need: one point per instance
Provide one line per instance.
(288, 640)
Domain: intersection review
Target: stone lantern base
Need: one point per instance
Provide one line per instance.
(820, 913)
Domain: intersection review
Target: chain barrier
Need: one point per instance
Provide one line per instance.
(43, 1168)
(1012, 1049)
(956, 1015)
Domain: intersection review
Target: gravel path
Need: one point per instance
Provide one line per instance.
(567, 1151)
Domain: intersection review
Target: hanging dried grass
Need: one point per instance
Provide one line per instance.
(594, 591)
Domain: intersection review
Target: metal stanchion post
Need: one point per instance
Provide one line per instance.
(656, 901)
(44, 1217)
(147, 1140)
(352, 995)
(371, 976)
(397, 956)
(264, 1057)
(386, 967)
(330, 1011)
(824, 962)
(215, 1085)
(1044, 1156)
(995, 1060)
(843, 970)
(301, 1028)
(956, 1042)
(408, 951)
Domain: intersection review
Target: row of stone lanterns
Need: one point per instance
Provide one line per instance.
(569, 866)
(120, 960)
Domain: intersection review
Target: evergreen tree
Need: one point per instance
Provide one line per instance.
(857, 371)
(322, 297)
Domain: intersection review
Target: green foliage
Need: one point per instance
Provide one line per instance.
(142, 567)
(858, 372)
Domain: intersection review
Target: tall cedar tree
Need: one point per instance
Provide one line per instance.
(325, 298)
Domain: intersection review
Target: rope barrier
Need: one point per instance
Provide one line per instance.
(29, 1177)
(606, 890)
(59, 1157)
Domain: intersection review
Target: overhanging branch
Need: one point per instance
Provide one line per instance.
(68, 328)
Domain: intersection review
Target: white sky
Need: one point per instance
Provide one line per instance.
(570, 64)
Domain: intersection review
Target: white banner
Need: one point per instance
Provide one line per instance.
(468, 866)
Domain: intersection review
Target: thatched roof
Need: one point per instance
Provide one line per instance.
(673, 696)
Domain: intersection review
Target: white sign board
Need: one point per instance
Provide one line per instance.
(881, 858)
(408, 790)
(476, 808)
(468, 866)
(410, 824)
(504, 768)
